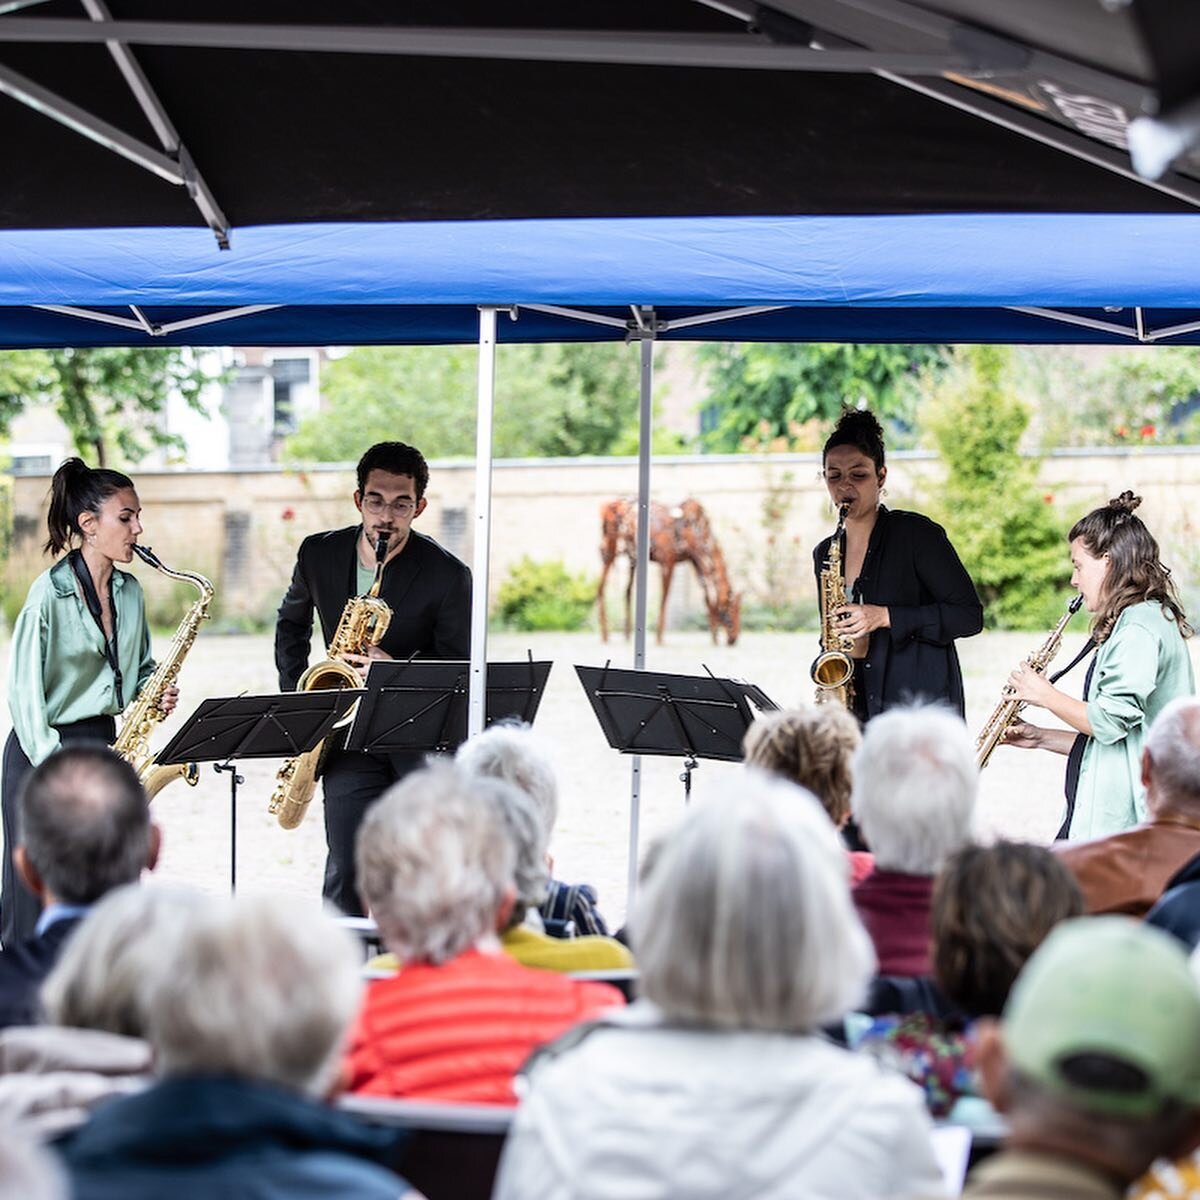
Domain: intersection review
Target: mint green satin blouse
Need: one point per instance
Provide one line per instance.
(57, 671)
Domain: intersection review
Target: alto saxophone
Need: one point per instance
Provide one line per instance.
(362, 625)
(1005, 713)
(833, 668)
(139, 719)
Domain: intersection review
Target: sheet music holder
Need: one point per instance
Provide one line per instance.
(278, 725)
(420, 705)
(689, 716)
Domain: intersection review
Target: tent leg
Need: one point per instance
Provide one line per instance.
(477, 693)
(645, 444)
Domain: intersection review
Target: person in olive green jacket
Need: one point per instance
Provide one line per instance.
(80, 647)
(1140, 666)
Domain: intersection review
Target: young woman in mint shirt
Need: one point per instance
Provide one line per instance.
(80, 647)
(1140, 664)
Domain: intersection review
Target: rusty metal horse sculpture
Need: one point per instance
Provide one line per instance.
(677, 535)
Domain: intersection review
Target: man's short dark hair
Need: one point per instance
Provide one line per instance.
(85, 822)
(396, 458)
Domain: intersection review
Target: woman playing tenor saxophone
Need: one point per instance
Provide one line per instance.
(1141, 663)
(80, 646)
(910, 595)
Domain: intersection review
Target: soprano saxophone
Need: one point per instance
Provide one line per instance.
(362, 624)
(1006, 712)
(833, 668)
(139, 719)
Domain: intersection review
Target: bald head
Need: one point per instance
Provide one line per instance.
(85, 825)
(1171, 758)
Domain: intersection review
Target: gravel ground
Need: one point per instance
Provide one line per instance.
(1020, 795)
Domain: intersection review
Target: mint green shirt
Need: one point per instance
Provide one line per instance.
(1142, 666)
(57, 671)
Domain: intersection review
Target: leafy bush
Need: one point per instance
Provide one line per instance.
(544, 596)
(999, 518)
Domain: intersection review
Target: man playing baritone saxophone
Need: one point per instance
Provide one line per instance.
(429, 593)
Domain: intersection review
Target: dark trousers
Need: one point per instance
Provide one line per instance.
(353, 781)
(19, 907)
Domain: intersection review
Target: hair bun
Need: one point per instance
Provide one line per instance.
(859, 423)
(1125, 502)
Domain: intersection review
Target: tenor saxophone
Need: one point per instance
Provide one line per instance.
(362, 624)
(1005, 713)
(833, 668)
(139, 719)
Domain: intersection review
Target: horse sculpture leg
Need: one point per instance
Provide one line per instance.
(668, 570)
(604, 570)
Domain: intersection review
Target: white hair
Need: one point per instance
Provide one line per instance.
(517, 755)
(915, 784)
(1173, 744)
(435, 863)
(27, 1171)
(524, 828)
(253, 989)
(108, 972)
(745, 920)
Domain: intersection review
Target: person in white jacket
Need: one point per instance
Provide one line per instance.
(718, 1082)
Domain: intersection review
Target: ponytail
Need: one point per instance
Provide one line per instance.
(75, 489)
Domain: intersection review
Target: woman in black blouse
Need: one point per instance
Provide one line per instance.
(909, 594)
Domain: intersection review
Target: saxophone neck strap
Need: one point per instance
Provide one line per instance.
(92, 599)
(1088, 647)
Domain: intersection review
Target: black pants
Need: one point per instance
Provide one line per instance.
(19, 907)
(353, 781)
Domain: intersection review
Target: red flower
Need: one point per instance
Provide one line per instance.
(1147, 431)
(1121, 431)
(1049, 497)
(288, 514)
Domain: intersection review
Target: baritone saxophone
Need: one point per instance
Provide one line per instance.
(139, 719)
(1009, 708)
(363, 623)
(833, 668)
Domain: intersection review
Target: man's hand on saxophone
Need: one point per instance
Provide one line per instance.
(169, 699)
(362, 662)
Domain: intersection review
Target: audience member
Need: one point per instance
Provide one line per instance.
(248, 1016)
(813, 747)
(915, 783)
(1178, 912)
(1127, 872)
(436, 866)
(97, 1002)
(718, 1082)
(1095, 1065)
(992, 907)
(514, 754)
(85, 829)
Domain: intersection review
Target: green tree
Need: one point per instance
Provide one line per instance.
(1009, 537)
(773, 388)
(109, 398)
(550, 401)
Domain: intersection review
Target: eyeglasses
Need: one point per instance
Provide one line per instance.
(377, 504)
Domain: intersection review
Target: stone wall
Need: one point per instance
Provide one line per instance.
(241, 528)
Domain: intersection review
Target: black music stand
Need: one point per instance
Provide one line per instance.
(420, 705)
(693, 716)
(282, 725)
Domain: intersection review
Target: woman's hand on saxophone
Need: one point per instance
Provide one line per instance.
(857, 620)
(362, 662)
(1034, 737)
(1031, 686)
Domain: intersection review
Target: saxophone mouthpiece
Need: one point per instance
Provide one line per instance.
(1073, 607)
(381, 547)
(147, 555)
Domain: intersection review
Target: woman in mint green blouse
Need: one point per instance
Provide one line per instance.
(1140, 664)
(80, 647)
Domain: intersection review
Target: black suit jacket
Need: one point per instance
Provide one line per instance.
(426, 587)
(23, 969)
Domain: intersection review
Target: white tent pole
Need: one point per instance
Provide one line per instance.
(645, 444)
(477, 693)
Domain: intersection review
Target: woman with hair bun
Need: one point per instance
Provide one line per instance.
(910, 596)
(1141, 664)
(80, 647)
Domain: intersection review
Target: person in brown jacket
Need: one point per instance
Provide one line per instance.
(1127, 872)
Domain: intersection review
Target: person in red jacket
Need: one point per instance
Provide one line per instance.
(436, 869)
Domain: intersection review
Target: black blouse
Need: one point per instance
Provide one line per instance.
(912, 569)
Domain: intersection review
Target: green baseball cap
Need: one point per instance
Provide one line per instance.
(1106, 1014)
